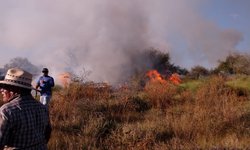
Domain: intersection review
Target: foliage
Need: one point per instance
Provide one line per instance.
(198, 71)
(235, 64)
(81, 76)
(22, 63)
(160, 94)
(159, 116)
(240, 81)
(161, 62)
(208, 113)
(154, 59)
(192, 85)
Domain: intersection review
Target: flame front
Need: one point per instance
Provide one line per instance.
(64, 79)
(155, 76)
(175, 78)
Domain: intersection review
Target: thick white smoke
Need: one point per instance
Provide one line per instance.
(104, 35)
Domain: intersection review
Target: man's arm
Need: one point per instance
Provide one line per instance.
(48, 129)
(47, 133)
(51, 81)
(38, 83)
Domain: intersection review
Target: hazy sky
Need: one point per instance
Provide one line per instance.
(104, 35)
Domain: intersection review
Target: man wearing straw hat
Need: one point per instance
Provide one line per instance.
(24, 122)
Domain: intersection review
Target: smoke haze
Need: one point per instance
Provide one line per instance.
(105, 36)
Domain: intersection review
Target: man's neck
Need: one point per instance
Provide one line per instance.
(12, 97)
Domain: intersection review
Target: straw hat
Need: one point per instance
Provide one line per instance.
(17, 77)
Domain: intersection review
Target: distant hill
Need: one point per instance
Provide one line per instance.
(2, 73)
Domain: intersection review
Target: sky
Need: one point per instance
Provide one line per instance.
(231, 14)
(105, 37)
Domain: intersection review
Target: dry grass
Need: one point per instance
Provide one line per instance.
(161, 116)
(160, 94)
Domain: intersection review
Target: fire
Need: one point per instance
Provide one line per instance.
(175, 78)
(64, 79)
(155, 76)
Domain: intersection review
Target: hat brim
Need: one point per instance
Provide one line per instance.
(2, 83)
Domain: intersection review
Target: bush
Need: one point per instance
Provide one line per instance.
(160, 94)
(197, 72)
(235, 63)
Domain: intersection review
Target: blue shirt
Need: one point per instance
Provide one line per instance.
(46, 85)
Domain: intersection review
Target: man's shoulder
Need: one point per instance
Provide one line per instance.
(19, 101)
(40, 78)
(49, 77)
(20, 104)
(9, 107)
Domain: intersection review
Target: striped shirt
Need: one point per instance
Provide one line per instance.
(24, 124)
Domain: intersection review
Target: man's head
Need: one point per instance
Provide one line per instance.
(45, 71)
(16, 81)
(9, 91)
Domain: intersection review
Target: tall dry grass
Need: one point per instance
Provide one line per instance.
(161, 94)
(159, 116)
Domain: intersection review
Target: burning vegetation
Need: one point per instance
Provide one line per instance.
(159, 116)
(154, 109)
(64, 79)
(155, 76)
(166, 112)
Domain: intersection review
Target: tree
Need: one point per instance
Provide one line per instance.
(198, 71)
(1, 73)
(22, 63)
(160, 61)
(235, 64)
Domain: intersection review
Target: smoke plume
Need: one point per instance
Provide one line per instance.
(106, 36)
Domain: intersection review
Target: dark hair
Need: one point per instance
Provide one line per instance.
(16, 89)
(45, 70)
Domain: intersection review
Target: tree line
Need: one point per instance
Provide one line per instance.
(235, 63)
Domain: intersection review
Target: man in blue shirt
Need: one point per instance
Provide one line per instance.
(45, 83)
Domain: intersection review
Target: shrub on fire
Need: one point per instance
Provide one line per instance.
(159, 91)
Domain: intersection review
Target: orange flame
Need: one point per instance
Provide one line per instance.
(64, 79)
(155, 76)
(175, 78)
